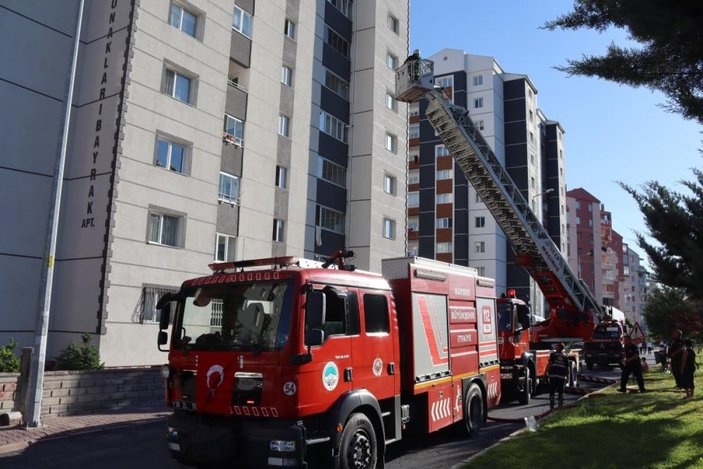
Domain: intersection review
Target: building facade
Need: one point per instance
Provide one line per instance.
(200, 132)
(585, 241)
(446, 218)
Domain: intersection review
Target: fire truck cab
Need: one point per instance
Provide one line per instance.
(284, 362)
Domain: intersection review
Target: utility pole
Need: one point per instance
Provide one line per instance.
(41, 327)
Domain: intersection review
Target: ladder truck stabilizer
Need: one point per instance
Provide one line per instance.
(534, 248)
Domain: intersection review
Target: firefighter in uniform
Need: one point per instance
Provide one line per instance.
(631, 364)
(675, 354)
(557, 370)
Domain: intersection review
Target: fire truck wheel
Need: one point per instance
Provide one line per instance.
(358, 446)
(473, 410)
(525, 387)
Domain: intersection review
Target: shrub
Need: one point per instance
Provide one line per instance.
(80, 357)
(9, 362)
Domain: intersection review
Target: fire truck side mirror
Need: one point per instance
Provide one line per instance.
(165, 317)
(162, 340)
(315, 310)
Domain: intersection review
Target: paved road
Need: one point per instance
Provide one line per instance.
(143, 445)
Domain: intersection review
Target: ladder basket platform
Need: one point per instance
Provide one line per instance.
(413, 79)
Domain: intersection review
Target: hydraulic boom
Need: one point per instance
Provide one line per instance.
(572, 307)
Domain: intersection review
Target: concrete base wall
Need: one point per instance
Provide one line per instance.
(75, 392)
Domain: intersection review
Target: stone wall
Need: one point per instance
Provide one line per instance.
(74, 392)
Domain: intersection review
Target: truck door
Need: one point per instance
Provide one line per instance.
(375, 367)
(329, 375)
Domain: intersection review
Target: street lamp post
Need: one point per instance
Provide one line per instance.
(36, 378)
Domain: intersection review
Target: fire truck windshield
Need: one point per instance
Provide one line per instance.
(608, 332)
(253, 316)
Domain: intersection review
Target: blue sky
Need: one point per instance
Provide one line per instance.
(613, 132)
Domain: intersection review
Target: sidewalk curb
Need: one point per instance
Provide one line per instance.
(70, 433)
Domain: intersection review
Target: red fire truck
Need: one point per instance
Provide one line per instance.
(573, 311)
(286, 362)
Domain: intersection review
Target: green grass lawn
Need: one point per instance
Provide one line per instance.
(658, 429)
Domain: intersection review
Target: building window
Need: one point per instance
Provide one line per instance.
(414, 131)
(479, 125)
(336, 84)
(532, 182)
(164, 229)
(289, 29)
(445, 82)
(532, 158)
(532, 137)
(224, 247)
(234, 130)
(413, 224)
(286, 75)
(389, 184)
(332, 220)
(480, 222)
(530, 115)
(281, 177)
(444, 248)
(478, 80)
(578, 220)
(184, 20)
(413, 176)
(391, 142)
(331, 172)
(342, 5)
(334, 127)
(446, 198)
(171, 155)
(388, 228)
(444, 174)
(229, 188)
(391, 103)
(279, 227)
(413, 199)
(336, 41)
(391, 61)
(283, 123)
(393, 24)
(481, 271)
(178, 86)
(242, 21)
(441, 150)
(443, 223)
(477, 198)
(478, 103)
(578, 204)
(480, 246)
(150, 297)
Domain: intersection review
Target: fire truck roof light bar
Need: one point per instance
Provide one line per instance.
(270, 261)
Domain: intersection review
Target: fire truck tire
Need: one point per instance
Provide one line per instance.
(473, 410)
(358, 447)
(525, 389)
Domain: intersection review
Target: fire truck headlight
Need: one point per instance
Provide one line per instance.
(165, 371)
(282, 445)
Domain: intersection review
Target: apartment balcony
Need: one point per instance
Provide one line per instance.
(236, 101)
(240, 49)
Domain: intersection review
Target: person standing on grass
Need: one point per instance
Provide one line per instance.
(675, 350)
(645, 365)
(631, 365)
(557, 369)
(688, 368)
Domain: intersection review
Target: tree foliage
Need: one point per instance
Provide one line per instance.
(670, 56)
(668, 309)
(80, 357)
(9, 362)
(675, 221)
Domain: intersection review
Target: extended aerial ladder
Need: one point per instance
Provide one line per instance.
(572, 307)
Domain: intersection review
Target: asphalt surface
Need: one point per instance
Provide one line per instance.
(142, 445)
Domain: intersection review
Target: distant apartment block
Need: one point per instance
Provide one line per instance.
(446, 218)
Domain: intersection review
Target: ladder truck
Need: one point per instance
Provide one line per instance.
(573, 309)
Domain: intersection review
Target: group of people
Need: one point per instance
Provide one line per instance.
(680, 352)
(683, 364)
